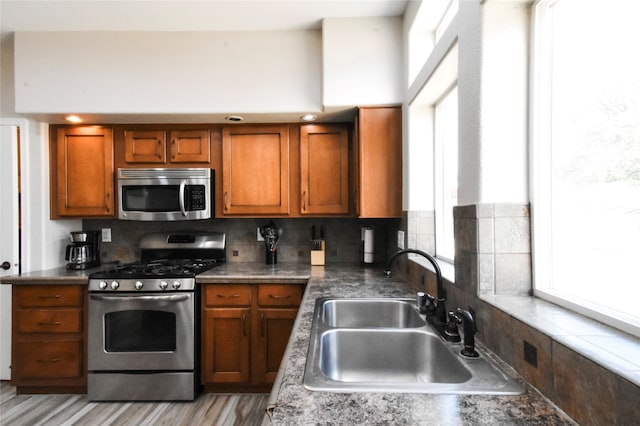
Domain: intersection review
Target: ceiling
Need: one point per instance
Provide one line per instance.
(184, 15)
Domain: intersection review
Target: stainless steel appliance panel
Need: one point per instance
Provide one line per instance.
(168, 386)
(160, 334)
(165, 194)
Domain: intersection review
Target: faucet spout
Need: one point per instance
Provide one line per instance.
(441, 312)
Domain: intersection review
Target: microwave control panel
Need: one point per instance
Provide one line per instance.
(196, 198)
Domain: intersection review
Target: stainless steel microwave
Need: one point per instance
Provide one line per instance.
(165, 194)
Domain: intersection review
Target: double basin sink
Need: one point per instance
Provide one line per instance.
(385, 345)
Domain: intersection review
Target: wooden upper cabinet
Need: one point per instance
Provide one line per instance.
(151, 147)
(324, 169)
(255, 170)
(190, 146)
(82, 172)
(378, 169)
(145, 146)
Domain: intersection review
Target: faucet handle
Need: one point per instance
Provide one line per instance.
(451, 328)
(421, 300)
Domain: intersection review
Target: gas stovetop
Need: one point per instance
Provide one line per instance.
(162, 268)
(169, 262)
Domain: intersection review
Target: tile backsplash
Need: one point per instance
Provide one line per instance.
(342, 235)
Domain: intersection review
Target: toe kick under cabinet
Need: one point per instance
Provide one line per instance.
(245, 331)
(48, 350)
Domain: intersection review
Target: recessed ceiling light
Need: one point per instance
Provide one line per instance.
(234, 118)
(309, 117)
(73, 119)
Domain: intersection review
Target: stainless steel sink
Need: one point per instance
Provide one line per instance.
(384, 354)
(365, 313)
(389, 356)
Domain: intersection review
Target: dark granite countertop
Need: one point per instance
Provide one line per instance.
(53, 276)
(291, 403)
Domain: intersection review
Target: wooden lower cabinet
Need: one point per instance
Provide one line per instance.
(48, 351)
(245, 331)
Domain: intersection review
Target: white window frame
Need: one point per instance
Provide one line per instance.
(541, 179)
(445, 242)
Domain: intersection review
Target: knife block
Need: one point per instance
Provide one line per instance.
(317, 252)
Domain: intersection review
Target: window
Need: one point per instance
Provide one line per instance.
(446, 172)
(586, 158)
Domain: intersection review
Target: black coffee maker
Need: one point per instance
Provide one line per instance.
(84, 250)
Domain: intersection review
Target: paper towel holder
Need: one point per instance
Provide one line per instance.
(368, 243)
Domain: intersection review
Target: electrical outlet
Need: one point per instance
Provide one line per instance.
(530, 354)
(106, 235)
(401, 240)
(259, 235)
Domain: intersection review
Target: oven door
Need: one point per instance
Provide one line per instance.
(141, 331)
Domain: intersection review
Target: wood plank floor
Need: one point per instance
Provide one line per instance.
(67, 410)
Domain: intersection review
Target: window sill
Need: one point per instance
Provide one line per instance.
(608, 347)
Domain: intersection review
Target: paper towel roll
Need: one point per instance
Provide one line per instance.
(368, 245)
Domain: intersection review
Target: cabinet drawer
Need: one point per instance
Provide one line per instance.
(55, 359)
(279, 295)
(48, 296)
(227, 295)
(49, 321)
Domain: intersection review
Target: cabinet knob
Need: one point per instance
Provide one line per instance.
(6, 265)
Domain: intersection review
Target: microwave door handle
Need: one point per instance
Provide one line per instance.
(183, 186)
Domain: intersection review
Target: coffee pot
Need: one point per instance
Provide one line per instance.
(84, 250)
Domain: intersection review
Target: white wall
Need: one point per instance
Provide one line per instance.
(362, 61)
(167, 72)
(504, 102)
(43, 240)
(492, 41)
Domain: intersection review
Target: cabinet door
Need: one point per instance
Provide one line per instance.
(83, 172)
(324, 169)
(379, 156)
(272, 338)
(145, 146)
(190, 146)
(225, 350)
(255, 170)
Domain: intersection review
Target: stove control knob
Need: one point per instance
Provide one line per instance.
(102, 285)
(163, 285)
(115, 285)
(138, 285)
(176, 284)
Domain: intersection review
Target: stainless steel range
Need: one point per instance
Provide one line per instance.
(143, 342)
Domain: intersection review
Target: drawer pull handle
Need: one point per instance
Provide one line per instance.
(54, 323)
(231, 296)
(275, 296)
(55, 296)
(244, 324)
(52, 360)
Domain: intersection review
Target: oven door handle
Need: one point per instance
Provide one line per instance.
(183, 188)
(168, 298)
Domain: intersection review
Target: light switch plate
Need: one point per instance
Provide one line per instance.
(106, 235)
(401, 240)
